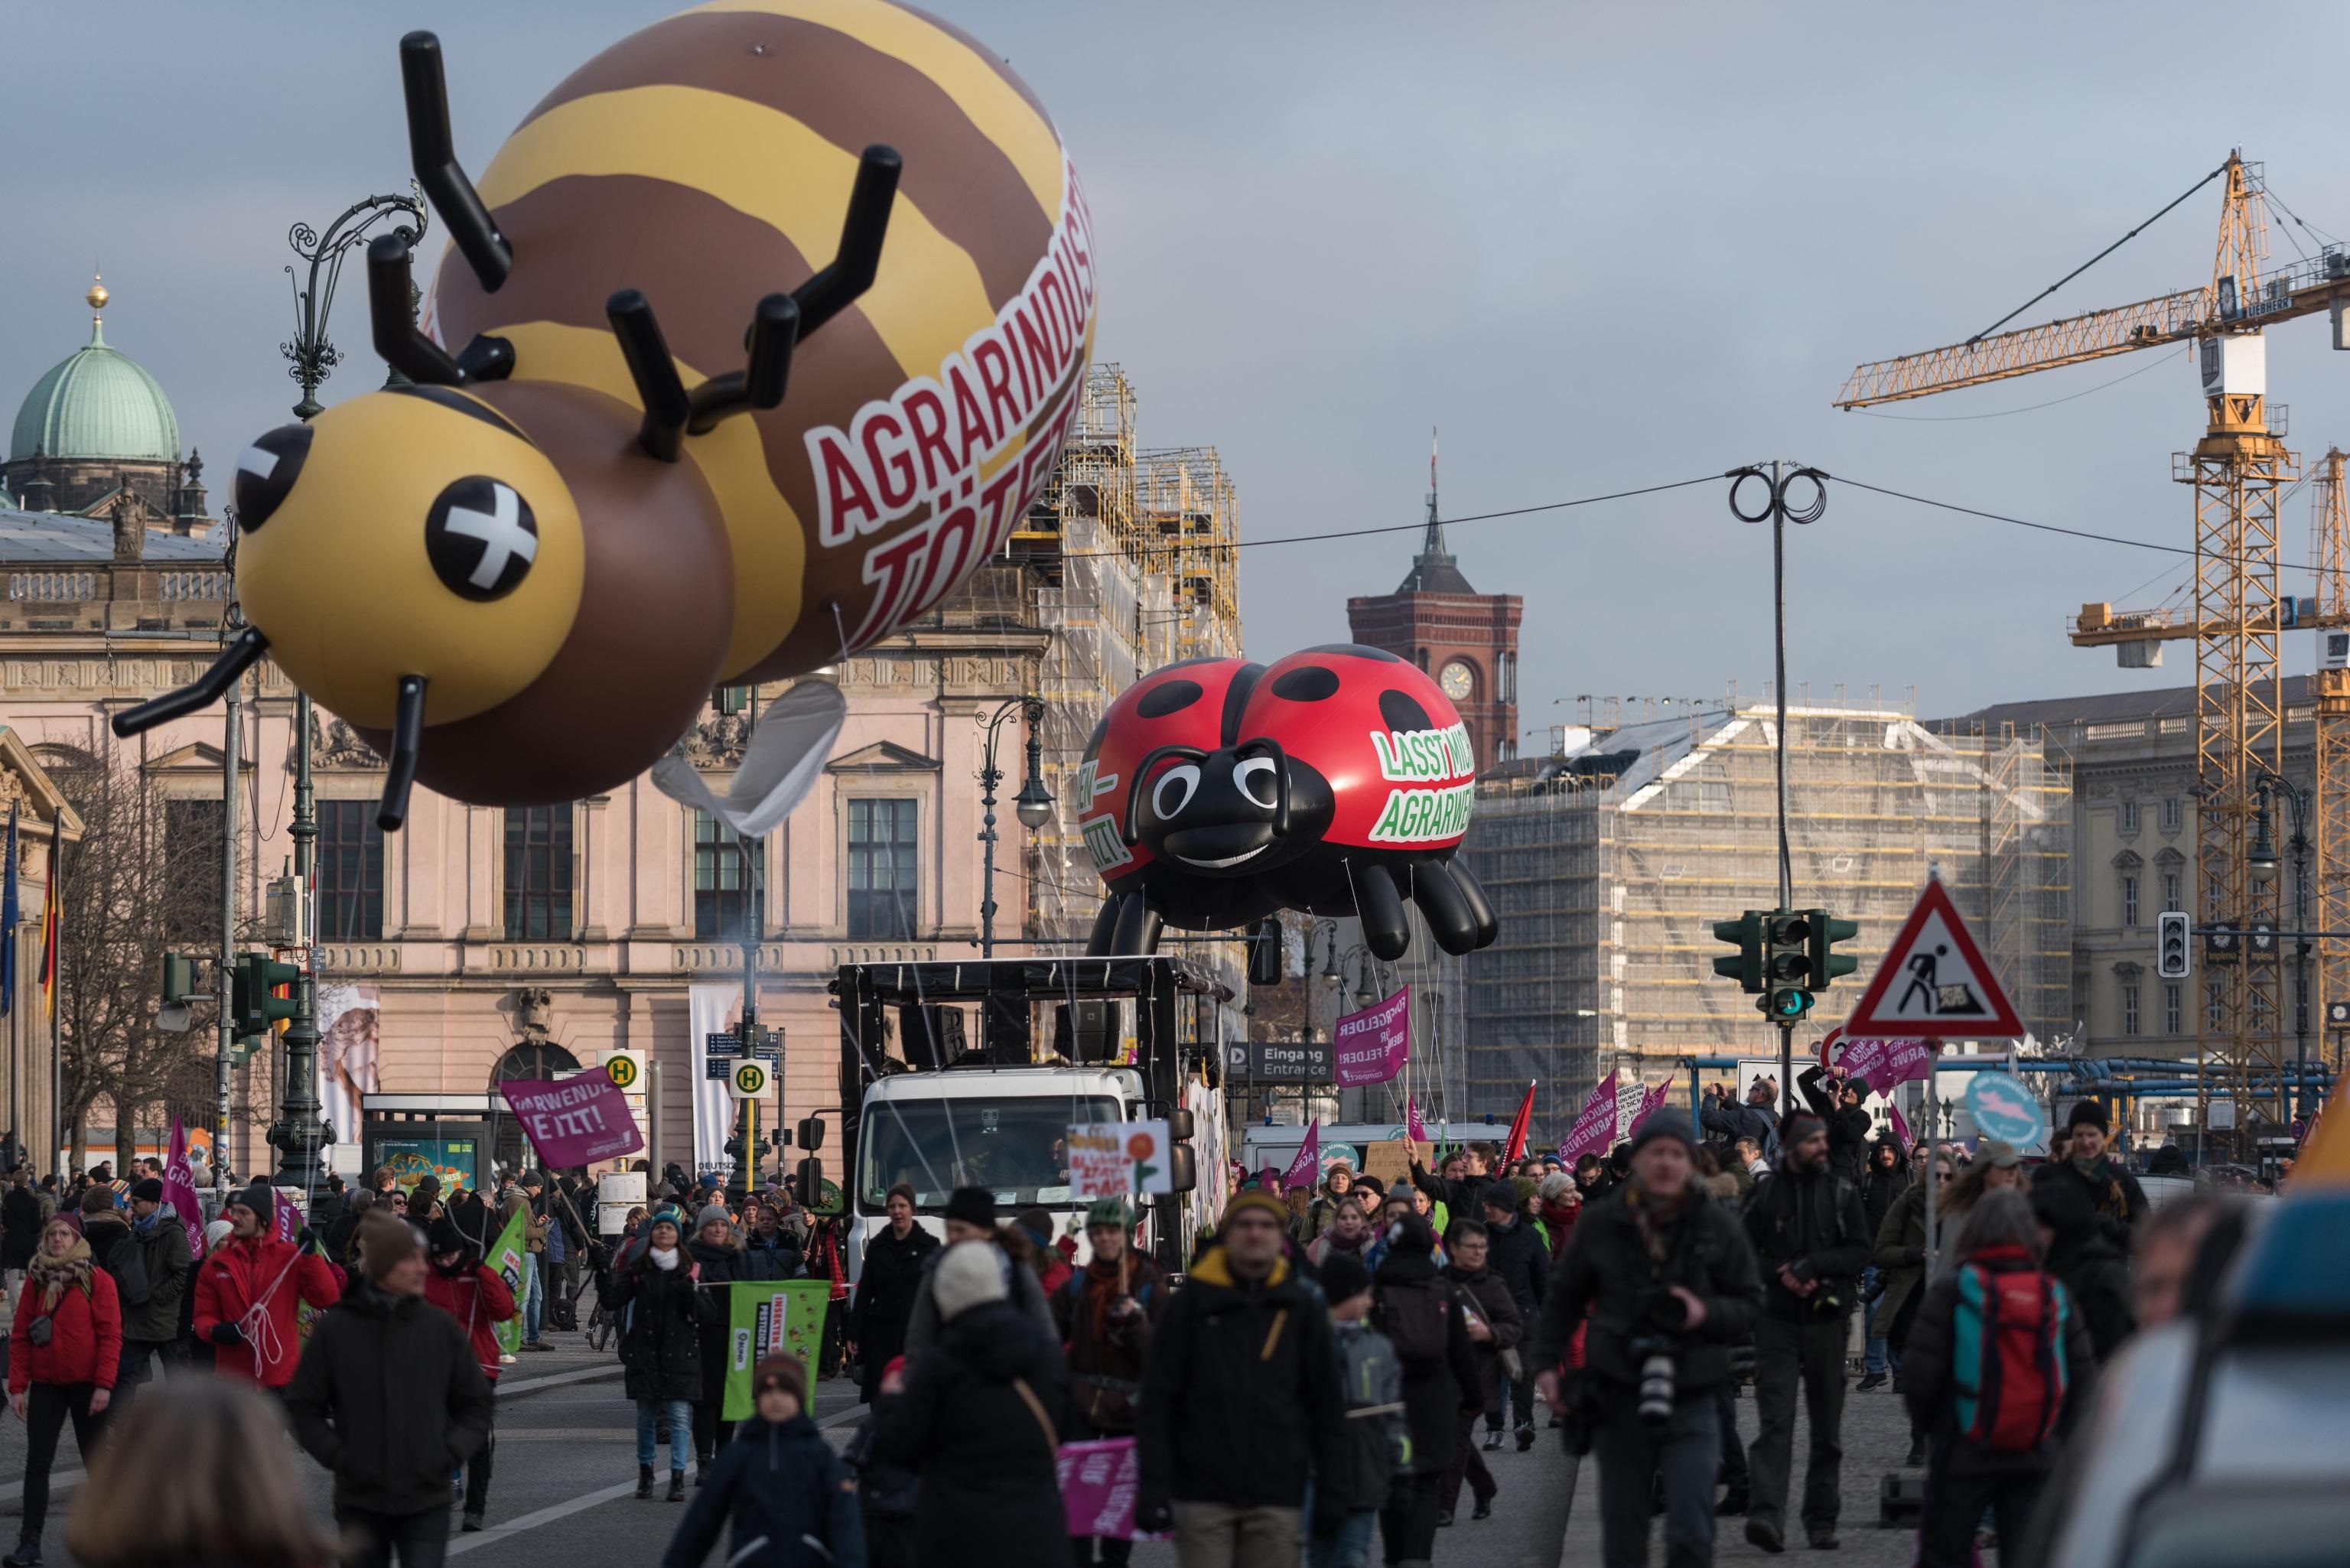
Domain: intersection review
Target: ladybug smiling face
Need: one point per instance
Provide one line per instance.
(1233, 812)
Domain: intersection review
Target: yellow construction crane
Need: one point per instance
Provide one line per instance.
(2329, 509)
(2236, 471)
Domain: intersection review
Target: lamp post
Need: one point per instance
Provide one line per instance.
(297, 1134)
(1033, 805)
(2262, 862)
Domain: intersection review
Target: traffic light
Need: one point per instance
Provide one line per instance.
(2171, 945)
(1746, 968)
(1826, 963)
(1787, 963)
(179, 979)
(254, 1001)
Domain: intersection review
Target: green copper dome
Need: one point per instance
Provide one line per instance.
(98, 403)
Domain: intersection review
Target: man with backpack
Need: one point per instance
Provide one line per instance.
(1348, 1496)
(1519, 1259)
(1420, 1311)
(1999, 1360)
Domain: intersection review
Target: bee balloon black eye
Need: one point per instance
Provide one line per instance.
(265, 472)
(482, 538)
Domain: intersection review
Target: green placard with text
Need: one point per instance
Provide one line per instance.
(764, 1318)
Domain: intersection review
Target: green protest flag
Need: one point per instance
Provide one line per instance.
(509, 1256)
(765, 1317)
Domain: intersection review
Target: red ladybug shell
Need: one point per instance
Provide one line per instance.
(1181, 705)
(1387, 739)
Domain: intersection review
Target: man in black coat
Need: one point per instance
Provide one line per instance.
(390, 1398)
(1240, 1396)
(2093, 1208)
(1660, 1269)
(1812, 1243)
(1725, 1118)
(1887, 1174)
(1837, 1102)
(1519, 1259)
(1497, 1327)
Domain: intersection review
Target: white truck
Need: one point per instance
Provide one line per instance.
(971, 1074)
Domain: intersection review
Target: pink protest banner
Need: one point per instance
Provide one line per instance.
(575, 1121)
(179, 1188)
(1413, 1128)
(1900, 1127)
(1652, 1100)
(1098, 1481)
(1594, 1128)
(1882, 1064)
(1306, 1170)
(1371, 1045)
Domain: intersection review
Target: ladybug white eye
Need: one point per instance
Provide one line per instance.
(1174, 791)
(1258, 779)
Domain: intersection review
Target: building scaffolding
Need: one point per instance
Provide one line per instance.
(1607, 866)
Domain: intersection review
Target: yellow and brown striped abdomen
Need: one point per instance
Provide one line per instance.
(708, 161)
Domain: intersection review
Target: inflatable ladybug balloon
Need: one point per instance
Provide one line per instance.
(755, 338)
(1338, 782)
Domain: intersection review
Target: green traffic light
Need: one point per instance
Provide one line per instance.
(1790, 1003)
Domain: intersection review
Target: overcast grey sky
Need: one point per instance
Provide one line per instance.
(1599, 246)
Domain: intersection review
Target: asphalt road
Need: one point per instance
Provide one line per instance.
(567, 1471)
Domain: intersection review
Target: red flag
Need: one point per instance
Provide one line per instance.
(1520, 1124)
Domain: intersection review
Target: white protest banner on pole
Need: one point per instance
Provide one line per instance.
(1111, 1160)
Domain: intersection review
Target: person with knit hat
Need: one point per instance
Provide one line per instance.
(390, 1397)
(971, 1217)
(248, 1290)
(2096, 1207)
(1495, 1327)
(64, 1351)
(1812, 1241)
(1520, 1260)
(1106, 1313)
(107, 1234)
(786, 1498)
(656, 1286)
(1420, 1311)
(979, 1420)
(479, 1299)
(718, 1264)
(1240, 1400)
(152, 1329)
(886, 1493)
(1374, 1440)
(1657, 1261)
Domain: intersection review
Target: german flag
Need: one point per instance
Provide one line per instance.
(52, 925)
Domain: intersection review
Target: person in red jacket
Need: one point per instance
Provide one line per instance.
(64, 1350)
(248, 1290)
(477, 1296)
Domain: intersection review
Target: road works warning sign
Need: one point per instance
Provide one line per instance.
(1934, 982)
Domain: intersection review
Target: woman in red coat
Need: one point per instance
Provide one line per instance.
(63, 1351)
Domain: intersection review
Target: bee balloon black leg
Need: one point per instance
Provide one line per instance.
(200, 694)
(834, 289)
(667, 408)
(404, 347)
(775, 329)
(1481, 907)
(407, 738)
(1138, 925)
(1442, 905)
(1385, 930)
(434, 153)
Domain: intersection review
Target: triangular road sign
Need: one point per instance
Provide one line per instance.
(1934, 982)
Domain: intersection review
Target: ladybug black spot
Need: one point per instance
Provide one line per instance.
(1401, 710)
(1355, 650)
(1310, 684)
(1168, 697)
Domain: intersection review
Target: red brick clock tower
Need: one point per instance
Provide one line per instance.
(1465, 640)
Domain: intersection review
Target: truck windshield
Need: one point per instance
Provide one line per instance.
(1016, 1148)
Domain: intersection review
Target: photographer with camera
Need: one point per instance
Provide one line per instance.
(1668, 1284)
(1724, 1117)
(1812, 1241)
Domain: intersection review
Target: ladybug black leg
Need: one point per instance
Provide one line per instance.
(1385, 930)
(1481, 907)
(1104, 939)
(1441, 903)
(1138, 925)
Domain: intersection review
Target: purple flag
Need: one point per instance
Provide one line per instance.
(179, 1188)
(1882, 1064)
(1651, 1101)
(574, 1121)
(1306, 1170)
(1900, 1127)
(1595, 1127)
(1413, 1129)
(1371, 1045)
(1098, 1481)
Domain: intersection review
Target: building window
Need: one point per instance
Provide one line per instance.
(351, 872)
(2129, 816)
(2174, 1008)
(2170, 890)
(2130, 900)
(730, 699)
(2129, 1009)
(2213, 1007)
(192, 838)
(538, 873)
(882, 890)
(2170, 813)
(721, 902)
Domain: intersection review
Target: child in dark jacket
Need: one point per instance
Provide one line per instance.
(791, 1499)
(885, 1493)
(1347, 1501)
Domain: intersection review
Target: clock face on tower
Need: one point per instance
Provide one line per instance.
(1456, 680)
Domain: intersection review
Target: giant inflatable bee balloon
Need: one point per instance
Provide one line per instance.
(770, 322)
(1338, 781)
